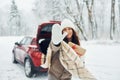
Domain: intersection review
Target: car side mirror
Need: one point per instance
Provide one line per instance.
(16, 43)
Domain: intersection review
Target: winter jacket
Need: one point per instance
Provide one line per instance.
(57, 69)
(70, 61)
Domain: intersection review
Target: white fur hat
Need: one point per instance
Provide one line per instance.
(67, 23)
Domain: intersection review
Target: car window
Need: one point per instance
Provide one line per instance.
(46, 29)
(23, 41)
(33, 42)
(26, 41)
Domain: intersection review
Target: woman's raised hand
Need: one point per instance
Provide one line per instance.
(57, 35)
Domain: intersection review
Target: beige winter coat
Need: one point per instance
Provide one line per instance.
(70, 61)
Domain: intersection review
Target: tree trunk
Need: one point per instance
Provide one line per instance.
(81, 24)
(92, 21)
(112, 26)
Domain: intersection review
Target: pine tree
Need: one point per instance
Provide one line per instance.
(14, 20)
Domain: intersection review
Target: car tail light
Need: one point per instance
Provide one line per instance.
(42, 59)
(38, 58)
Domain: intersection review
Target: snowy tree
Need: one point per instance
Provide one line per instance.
(47, 9)
(14, 21)
(112, 26)
(56, 9)
(1, 28)
(73, 11)
(39, 8)
(91, 17)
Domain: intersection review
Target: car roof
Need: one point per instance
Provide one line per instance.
(50, 22)
(29, 36)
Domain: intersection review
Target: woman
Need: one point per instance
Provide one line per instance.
(61, 60)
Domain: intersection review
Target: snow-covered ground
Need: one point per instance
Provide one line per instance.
(102, 59)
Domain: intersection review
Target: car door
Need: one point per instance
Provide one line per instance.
(19, 48)
(24, 48)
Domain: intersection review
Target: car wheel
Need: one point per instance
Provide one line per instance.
(14, 59)
(28, 68)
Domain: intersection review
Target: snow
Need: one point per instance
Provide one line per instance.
(102, 60)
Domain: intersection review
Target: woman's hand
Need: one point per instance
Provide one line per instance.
(79, 50)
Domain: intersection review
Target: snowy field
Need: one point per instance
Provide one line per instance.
(102, 59)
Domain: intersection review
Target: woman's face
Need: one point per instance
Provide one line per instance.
(69, 31)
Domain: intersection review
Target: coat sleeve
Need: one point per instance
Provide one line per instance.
(50, 50)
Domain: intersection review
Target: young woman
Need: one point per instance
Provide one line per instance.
(62, 60)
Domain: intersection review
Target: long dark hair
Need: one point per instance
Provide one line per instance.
(75, 38)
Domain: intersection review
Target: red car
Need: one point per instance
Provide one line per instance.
(31, 51)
